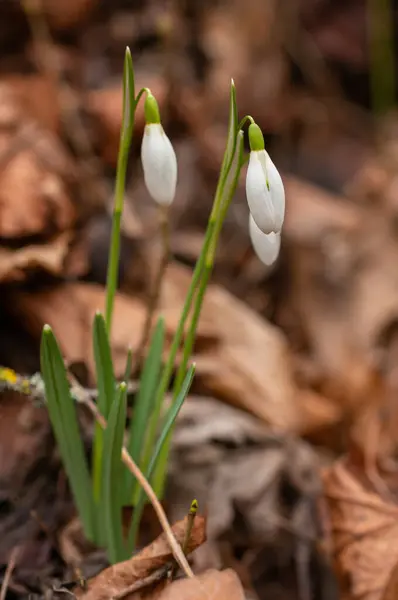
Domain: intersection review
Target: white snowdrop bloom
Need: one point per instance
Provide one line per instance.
(159, 163)
(266, 246)
(264, 187)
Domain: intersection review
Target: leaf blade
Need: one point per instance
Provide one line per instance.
(62, 413)
(145, 401)
(167, 427)
(112, 477)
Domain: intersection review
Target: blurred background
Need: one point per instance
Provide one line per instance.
(292, 423)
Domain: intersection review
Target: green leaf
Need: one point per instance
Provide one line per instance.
(129, 366)
(106, 385)
(106, 381)
(126, 134)
(62, 413)
(144, 403)
(112, 477)
(157, 453)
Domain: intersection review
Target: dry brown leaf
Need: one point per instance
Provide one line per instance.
(17, 265)
(118, 577)
(248, 363)
(63, 14)
(216, 451)
(211, 585)
(35, 171)
(69, 309)
(391, 591)
(240, 357)
(37, 96)
(106, 107)
(364, 532)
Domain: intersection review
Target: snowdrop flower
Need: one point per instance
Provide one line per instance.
(159, 161)
(266, 246)
(264, 188)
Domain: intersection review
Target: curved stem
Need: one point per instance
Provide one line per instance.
(164, 227)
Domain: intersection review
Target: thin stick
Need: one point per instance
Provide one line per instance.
(157, 286)
(131, 465)
(8, 573)
(154, 577)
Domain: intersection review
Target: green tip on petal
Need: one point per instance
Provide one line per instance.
(47, 329)
(151, 108)
(256, 139)
(123, 386)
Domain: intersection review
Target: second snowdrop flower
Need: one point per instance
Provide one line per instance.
(264, 188)
(159, 161)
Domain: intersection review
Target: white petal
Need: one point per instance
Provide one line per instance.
(266, 246)
(159, 163)
(266, 205)
(276, 189)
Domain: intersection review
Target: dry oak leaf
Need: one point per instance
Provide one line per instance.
(240, 357)
(16, 265)
(69, 308)
(364, 534)
(116, 578)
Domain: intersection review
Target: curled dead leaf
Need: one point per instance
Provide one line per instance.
(16, 265)
(210, 585)
(116, 578)
(364, 533)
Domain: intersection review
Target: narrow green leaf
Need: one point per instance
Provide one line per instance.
(129, 366)
(106, 385)
(62, 413)
(144, 403)
(126, 133)
(157, 453)
(103, 364)
(112, 477)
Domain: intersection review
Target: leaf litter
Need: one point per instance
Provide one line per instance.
(295, 367)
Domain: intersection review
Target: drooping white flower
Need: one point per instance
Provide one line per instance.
(158, 158)
(266, 246)
(264, 187)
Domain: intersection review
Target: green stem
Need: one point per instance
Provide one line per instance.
(126, 135)
(226, 193)
(168, 368)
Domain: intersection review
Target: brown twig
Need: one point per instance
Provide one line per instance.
(157, 285)
(8, 573)
(154, 577)
(135, 470)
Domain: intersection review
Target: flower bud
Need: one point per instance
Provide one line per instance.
(158, 158)
(266, 246)
(264, 187)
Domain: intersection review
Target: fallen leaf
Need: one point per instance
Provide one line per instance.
(37, 97)
(118, 577)
(211, 585)
(216, 450)
(17, 265)
(105, 106)
(248, 364)
(64, 14)
(70, 309)
(391, 591)
(364, 533)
